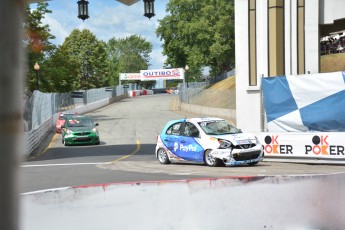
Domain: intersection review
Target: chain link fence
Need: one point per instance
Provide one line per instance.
(208, 97)
(39, 107)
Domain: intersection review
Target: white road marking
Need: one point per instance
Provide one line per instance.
(70, 164)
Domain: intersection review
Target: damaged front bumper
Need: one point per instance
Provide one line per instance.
(232, 157)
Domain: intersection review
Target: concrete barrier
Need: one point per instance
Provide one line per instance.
(280, 202)
(135, 93)
(323, 147)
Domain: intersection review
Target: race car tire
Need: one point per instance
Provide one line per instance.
(210, 160)
(253, 163)
(162, 156)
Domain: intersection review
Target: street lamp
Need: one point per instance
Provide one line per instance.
(186, 68)
(149, 8)
(83, 9)
(37, 68)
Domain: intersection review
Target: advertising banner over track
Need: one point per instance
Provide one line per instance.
(129, 76)
(162, 74)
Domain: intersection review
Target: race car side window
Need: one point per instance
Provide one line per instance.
(174, 129)
(190, 130)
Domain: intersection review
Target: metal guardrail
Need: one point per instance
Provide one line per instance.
(35, 136)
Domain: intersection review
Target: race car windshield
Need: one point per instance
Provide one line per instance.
(80, 123)
(218, 127)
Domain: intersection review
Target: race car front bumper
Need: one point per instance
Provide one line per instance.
(232, 157)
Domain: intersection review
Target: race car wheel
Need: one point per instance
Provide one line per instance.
(210, 160)
(163, 156)
(253, 163)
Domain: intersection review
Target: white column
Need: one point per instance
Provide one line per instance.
(262, 39)
(312, 41)
(248, 104)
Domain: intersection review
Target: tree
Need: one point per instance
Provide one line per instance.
(83, 48)
(61, 72)
(36, 41)
(200, 34)
(129, 55)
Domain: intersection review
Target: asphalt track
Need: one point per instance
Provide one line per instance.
(128, 131)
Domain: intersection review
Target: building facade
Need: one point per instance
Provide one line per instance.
(275, 38)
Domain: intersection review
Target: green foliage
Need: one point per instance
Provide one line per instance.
(36, 41)
(82, 61)
(129, 55)
(83, 48)
(200, 34)
(60, 73)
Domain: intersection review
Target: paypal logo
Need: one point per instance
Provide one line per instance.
(187, 148)
(184, 148)
(175, 146)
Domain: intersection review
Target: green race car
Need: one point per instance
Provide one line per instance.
(80, 130)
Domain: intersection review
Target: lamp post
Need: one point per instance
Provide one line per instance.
(37, 68)
(186, 68)
(83, 9)
(149, 8)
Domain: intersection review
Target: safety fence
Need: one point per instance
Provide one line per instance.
(208, 97)
(41, 109)
(220, 77)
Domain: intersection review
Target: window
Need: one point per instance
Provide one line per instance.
(252, 43)
(174, 129)
(190, 130)
(276, 62)
(300, 37)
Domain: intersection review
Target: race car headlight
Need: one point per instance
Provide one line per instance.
(257, 141)
(68, 131)
(224, 144)
(94, 130)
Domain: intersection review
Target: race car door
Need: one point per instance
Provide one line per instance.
(171, 137)
(189, 147)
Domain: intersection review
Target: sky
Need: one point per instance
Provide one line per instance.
(108, 19)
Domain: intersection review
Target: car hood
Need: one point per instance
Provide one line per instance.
(238, 138)
(78, 129)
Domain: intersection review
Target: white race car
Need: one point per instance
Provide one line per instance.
(212, 141)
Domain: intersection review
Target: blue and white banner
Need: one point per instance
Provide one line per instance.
(312, 102)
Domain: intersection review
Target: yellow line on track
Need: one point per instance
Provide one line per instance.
(124, 157)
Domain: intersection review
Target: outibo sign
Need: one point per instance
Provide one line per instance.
(162, 74)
